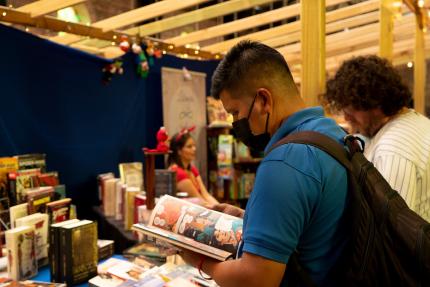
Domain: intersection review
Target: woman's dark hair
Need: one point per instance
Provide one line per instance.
(365, 83)
(177, 142)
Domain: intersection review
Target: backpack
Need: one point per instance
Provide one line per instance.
(389, 243)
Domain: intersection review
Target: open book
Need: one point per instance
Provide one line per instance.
(190, 226)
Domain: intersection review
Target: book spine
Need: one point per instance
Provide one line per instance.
(53, 264)
(62, 271)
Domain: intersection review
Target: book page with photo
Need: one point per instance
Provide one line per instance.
(194, 227)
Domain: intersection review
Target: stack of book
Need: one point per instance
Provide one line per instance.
(73, 251)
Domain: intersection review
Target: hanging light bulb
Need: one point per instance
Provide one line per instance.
(410, 64)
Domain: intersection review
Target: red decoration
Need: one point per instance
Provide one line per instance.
(162, 141)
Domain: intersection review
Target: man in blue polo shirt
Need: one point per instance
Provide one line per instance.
(299, 193)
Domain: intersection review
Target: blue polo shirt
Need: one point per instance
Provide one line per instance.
(298, 199)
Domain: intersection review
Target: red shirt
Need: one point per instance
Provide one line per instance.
(191, 174)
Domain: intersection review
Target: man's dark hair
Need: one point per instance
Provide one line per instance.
(247, 62)
(365, 83)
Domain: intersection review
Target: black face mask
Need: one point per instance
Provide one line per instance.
(243, 132)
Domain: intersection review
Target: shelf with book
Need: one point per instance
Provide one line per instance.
(231, 167)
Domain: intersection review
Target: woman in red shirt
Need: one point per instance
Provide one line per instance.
(188, 179)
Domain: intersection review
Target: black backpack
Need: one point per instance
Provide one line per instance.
(390, 243)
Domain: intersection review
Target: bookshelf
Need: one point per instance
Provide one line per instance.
(224, 186)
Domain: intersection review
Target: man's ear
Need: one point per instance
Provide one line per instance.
(266, 97)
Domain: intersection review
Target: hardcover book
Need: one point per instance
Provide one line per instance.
(47, 179)
(105, 248)
(31, 161)
(100, 182)
(190, 226)
(40, 223)
(130, 193)
(79, 251)
(7, 164)
(38, 197)
(59, 210)
(23, 181)
(109, 196)
(20, 245)
(55, 249)
(131, 173)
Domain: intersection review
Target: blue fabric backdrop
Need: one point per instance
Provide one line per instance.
(53, 101)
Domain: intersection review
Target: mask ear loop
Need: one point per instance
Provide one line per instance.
(252, 106)
(267, 121)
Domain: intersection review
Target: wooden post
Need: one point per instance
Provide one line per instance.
(419, 68)
(149, 177)
(386, 19)
(313, 50)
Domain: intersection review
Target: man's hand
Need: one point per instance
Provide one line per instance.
(229, 209)
(190, 257)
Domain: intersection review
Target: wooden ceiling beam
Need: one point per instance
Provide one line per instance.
(43, 7)
(145, 13)
(344, 39)
(243, 24)
(195, 16)
(332, 16)
(332, 27)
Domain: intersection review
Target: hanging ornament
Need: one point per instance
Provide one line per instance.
(149, 48)
(186, 74)
(158, 53)
(124, 44)
(112, 69)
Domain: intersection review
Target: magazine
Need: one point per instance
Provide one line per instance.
(190, 226)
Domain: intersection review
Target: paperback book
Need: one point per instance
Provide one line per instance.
(20, 245)
(190, 226)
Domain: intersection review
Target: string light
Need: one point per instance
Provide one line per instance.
(217, 57)
(114, 37)
(421, 3)
(410, 64)
(27, 29)
(164, 52)
(196, 52)
(4, 14)
(113, 43)
(170, 47)
(185, 56)
(397, 4)
(187, 46)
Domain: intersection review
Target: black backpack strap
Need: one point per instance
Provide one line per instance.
(338, 152)
(320, 141)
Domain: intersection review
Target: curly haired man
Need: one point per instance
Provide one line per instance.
(374, 101)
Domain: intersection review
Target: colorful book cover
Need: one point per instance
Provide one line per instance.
(225, 156)
(194, 227)
(38, 197)
(59, 210)
(47, 179)
(20, 245)
(24, 181)
(40, 223)
(32, 161)
(131, 173)
(29, 283)
(7, 164)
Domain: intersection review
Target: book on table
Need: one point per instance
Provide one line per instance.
(190, 226)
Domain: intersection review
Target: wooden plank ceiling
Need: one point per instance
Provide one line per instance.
(352, 27)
